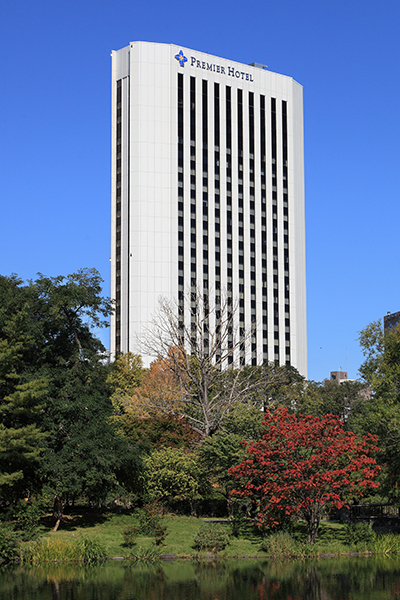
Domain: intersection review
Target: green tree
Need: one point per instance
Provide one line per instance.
(85, 455)
(54, 399)
(155, 432)
(380, 412)
(329, 397)
(226, 448)
(126, 374)
(245, 421)
(219, 453)
(22, 395)
(172, 474)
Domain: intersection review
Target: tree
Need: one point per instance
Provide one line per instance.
(302, 465)
(126, 374)
(331, 398)
(206, 354)
(155, 432)
(225, 448)
(380, 413)
(158, 391)
(245, 421)
(85, 455)
(172, 474)
(217, 454)
(22, 395)
(55, 408)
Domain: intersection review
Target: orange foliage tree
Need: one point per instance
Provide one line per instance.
(158, 392)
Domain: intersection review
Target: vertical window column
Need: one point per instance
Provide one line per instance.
(118, 219)
(286, 229)
(181, 290)
(217, 213)
(193, 245)
(263, 228)
(252, 234)
(205, 218)
(275, 228)
(229, 290)
(240, 208)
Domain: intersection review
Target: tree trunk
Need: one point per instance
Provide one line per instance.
(58, 511)
(312, 529)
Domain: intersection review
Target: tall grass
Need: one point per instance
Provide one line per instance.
(83, 550)
(147, 555)
(359, 539)
(387, 544)
(283, 545)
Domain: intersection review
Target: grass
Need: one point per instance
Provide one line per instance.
(83, 550)
(181, 530)
(107, 529)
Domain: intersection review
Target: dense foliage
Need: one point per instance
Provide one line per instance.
(55, 407)
(74, 427)
(302, 465)
(380, 412)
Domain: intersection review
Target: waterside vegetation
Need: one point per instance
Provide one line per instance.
(84, 539)
(268, 454)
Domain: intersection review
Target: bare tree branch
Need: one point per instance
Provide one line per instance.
(206, 350)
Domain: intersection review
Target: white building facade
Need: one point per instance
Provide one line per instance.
(207, 193)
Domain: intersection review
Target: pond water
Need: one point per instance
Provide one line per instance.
(329, 579)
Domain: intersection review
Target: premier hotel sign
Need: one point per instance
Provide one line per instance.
(214, 67)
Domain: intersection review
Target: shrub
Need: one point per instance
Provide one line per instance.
(357, 534)
(211, 537)
(150, 517)
(281, 544)
(160, 533)
(25, 517)
(130, 534)
(9, 543)
(150, 522)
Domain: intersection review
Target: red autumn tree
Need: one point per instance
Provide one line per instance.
(303, 464)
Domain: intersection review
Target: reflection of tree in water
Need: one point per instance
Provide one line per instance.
(313, 585)
(331, 579)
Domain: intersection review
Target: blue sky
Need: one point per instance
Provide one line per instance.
(55, 138)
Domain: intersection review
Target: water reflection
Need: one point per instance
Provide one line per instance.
(330, 579)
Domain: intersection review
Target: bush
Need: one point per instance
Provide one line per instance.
(211, 537)
(150, 517)
(9, 543)
(281, 544)
(130, 534)
(160, 533)
(237, 520)
(357, 534)
(25, 517)
(150, 522)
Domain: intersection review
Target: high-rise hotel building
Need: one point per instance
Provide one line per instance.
(207, 193)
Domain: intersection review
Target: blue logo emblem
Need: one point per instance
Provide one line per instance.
(181, 58)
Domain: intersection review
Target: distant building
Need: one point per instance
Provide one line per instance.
(390, 321)
(339, 376)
